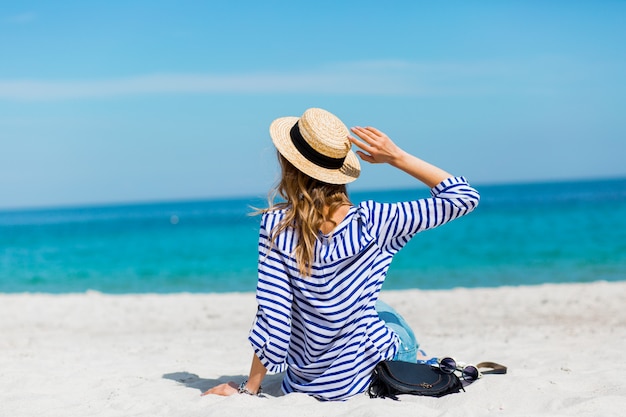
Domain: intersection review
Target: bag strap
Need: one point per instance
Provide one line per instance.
(496, 368)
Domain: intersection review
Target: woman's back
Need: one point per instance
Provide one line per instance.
(328, 334)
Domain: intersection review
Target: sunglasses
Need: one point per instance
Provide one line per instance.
(469, 373)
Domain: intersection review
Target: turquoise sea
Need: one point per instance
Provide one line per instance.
(520, 234)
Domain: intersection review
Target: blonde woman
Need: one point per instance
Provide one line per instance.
(323, 260)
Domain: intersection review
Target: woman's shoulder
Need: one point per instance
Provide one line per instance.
(373, 212)
(273, 215)
(370, 207)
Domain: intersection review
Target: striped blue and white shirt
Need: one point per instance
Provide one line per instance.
(323, 330)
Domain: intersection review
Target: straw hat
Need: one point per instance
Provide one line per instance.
(317, 144)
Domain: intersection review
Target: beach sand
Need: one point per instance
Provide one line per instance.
(152, 355)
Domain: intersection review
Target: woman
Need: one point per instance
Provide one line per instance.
(323, 260)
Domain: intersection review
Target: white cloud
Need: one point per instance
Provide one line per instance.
(21, 18)
(321, 82)
(400, 78)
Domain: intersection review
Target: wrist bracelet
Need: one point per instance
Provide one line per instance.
(243, 390)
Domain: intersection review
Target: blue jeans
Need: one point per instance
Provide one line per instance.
(407, 351)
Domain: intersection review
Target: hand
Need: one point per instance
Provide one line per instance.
(223, 389)
(376, 146)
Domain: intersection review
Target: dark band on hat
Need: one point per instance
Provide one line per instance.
(311, 154)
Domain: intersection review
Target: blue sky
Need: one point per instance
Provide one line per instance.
(132, 101)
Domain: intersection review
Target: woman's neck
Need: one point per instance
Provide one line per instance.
(336, 218)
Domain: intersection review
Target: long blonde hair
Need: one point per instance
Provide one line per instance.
(305, 201)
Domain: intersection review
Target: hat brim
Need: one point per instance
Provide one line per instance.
(280, 134)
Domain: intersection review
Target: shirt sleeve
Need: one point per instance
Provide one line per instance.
(271, 329)
(394, 224)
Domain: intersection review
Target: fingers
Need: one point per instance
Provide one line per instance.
(360, 144)
(376, 146)
(368, 134)
(222, 389)
(214, 390)
(365, 157)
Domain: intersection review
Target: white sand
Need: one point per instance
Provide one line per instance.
(152, 355)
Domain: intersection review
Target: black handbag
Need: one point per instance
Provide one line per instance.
(392, 378)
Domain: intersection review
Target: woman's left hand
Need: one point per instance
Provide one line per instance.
(223, 389)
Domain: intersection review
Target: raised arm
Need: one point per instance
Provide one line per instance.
(376, 147)
(396, 223)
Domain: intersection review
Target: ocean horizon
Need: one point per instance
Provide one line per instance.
(521, 234)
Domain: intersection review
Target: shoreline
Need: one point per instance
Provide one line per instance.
(252, 291)
(153, 354)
